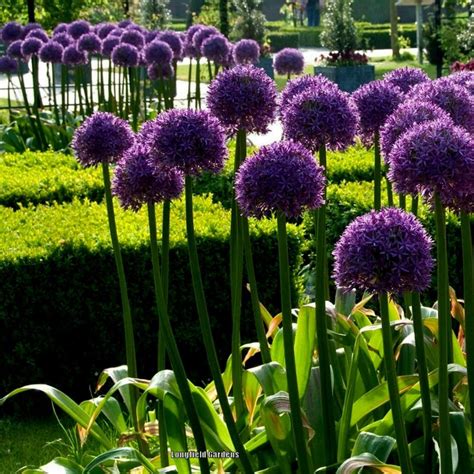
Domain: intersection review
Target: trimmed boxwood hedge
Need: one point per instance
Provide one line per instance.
(60, 314)
(281, 40)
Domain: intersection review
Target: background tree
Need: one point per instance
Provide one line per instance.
(394, 30)
(155, 13)
(224, 16)
(250, 20)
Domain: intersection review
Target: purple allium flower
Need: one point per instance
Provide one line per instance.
(375, 102)
(282, 177)
(433, 157)
(451, 97)
(289, 61)
(30, 46)
(60, 28)
(202, 34)
(246, 51)
(63, 39)
(151, 35)
(125, 55)
(30, 27)
(321, 116)
(191, 140)
(90, 43)
(78, 28)
(406, 77)
(104, 29)
(38, 33)
(136, 27)
(243, 98)
(116, 32)
(133, 37)
(137, 182)
(8, 65)
(190, 50)
(156, 71)
(229, 61)
(125, 23)
(14, 50)
(463, 78)
(51, 52)
(11, 31)
(102, 138)
(215, 48)
(73, 57)
(404, 117)
(173, 40)
(109, 44)
(385, 251)
(158, 52)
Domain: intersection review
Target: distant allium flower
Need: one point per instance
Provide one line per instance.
(109, 44)
(150, 36)
(289, 61)
(38, 33)
(433, 157)
(375, 101)
(104, 29)
(282, 177)
(243, 98)
(125, 55)
(404, 117)
(125, 23)
(384, 251)
(116, 32)
(89, 42)
(14, 50)
(246, 51)
(60, 28)
(135, 27)
(8, 65)
(192, 141)
(78, 28)
(190, 50)
(229, 61)
(51, 52)
(463, 78)
(202, 34)
(133, 37)
(158, 52)
(73, 57)
(30, 27)
(102, 138)
(63, 39)
(11, 32)
(215, 48)
(406, 77)
(137, 182)
(173, 40)
(321, 116)
(451, 97)
(155, 71)
(30, 46)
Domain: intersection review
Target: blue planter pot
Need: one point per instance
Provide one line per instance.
(348, 78)
(267, 65)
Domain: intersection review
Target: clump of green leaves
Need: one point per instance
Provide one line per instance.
(155, 13)
(250, 20)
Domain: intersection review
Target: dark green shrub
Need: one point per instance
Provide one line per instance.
(379, 38)
(279, 41)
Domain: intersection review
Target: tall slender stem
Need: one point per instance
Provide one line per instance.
(198, 84)
(9, 99)
(377, 173)
(172, 347)
(207, 331)
(444, 330)
(402, 201)
(55, 101)
(414, 205)
(394, 395)
(285, 293)
(33, 124)
(190, 72)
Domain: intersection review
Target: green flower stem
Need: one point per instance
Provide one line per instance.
(190, 75)
(55, 102)
(444, 322)
(206, 330)
(377, 173)
(36, 89)
(91, 89)
(468, 280)
(64, 78)
(424, 383)
(28, 109)
(127, 314)
(321, 330)
(9, 99)
(389, 192)
(198, 85)
(77, 84)
(133, 104)
(285, 292)
(402, 201)
(110, 88)
(84, 85)
(390, 371)
(209, 69)
(171, 346)
(414, 205)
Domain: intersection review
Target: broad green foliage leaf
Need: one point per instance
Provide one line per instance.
(458, 432)
(454, 453)
(271, 376)
(116, 374)
(252, 390)
(458, 357)
(226, 378)
(57, 466)
(112, 410)
(277, 350)
(367, 460)
(345, 301)
(119, 455)
(379, 446)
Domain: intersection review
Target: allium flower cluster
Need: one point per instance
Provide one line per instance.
(30, 27)
(433, 157)
(173, 40)
(280, 178)
(289, 61)
(63, 39)
(73, 57)
(14, 50)
(102, 138)
(104, 29)
(11, 32)
(385, 251)
(90, 43)
(375, 101)
(190, 140)
(60, 28)
(8, 65)
(202, 34)
(216, 48)
(246, 51)
(137, 182)
(190, 50)
(405, 78)
(463, 78)
(51, 52)
(158, 52)
(321, 116)
(133, 37)
(125, 55)
(78, 28)
(30, 47)
(39, 34)
(243, 98)
(108, 45)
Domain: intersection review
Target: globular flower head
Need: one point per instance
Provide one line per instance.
(89, 42)
(156, 71)
(60, 28)
(151, 35)
(102, 138)
(108, 45)
(433, 157)
(30, 47)
(38, 33)
(158, 52)
(451, 97)
(63, 39)
(116, 32)
(375, 102)
(104, 29)
(201, 35)
(192, 141)
(11, 32)
(138, 182)
(73, 57)
(125, 55)
(405, 116)
(78, 28)
(125, 23)
(51, 52)
(133, 37)
(243, 98)
(321, 116)
(215, 48)
(465, 79)
(385, 251)
(30, 27)
(289, 61)
(173, 40)
(280, 178)
(406, 77)
(246, 51)
(190, 50)
(14, 50)
(8, 65)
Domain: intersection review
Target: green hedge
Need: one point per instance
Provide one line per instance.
(279, 41)
(60, 315)
(380, 38)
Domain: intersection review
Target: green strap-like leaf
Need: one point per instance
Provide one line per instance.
(116, 374)
(367, 460)
(271, 376)
(119, 455)
(379, 446)
(57, 466)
